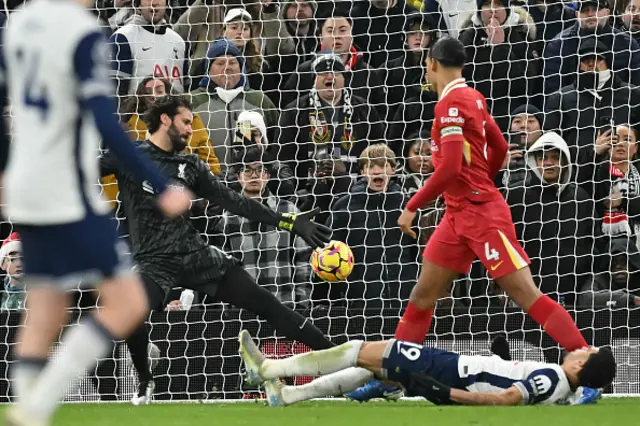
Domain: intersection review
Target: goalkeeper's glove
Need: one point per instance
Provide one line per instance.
(315, 234)
(426, 386)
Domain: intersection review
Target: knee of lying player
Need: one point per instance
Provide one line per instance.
(592, 367)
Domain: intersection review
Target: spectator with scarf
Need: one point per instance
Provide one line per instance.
(223, 95)
(11, 262)
(328, 119)
(336, 37)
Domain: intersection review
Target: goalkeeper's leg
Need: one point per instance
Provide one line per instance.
(240, 289)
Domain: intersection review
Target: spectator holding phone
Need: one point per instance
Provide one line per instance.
(526, 129)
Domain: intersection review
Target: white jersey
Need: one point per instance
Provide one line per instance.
(455, 13)
(539, 383)
(141, 51)
(52, 175)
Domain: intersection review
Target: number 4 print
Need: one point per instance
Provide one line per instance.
(489, 253)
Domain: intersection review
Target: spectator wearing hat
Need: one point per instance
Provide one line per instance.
(525, 130)
(551, 18)
(145, 46)
(11, 262)
(586, 108)
(336, 37)
(328, 119)
(378, 29)
(252, 132)
(223, 95)
(501, 62)
(630, 19)
(561, 55)
(404, 76)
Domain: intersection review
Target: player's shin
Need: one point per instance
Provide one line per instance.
(557, 322)
(317, 363)
(335, 384)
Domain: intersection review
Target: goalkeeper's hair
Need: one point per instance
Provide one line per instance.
(166, 105)
(599, 370)
(449, 52)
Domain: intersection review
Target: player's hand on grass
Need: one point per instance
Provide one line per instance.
(315, 234)
(406, 221)
(175, 200)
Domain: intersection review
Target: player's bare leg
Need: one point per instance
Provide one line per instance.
(431, 285)
(123, 307)
(42, 323)
(555, 320)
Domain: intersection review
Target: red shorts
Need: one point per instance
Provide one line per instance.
(483, 231)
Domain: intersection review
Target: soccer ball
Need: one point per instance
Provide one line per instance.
(332, 263)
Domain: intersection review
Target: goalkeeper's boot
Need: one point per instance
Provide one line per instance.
(589, 396)
(375, 389)
(252, 358)
(15, 416)
(145, 393)
(273, 389)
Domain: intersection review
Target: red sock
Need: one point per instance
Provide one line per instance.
(557, 322)
(414, 325)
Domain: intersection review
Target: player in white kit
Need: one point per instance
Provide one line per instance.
(440, 376)
(53, 67)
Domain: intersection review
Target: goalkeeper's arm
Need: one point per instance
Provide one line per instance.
(211, 188)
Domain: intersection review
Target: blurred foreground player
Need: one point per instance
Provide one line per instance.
(171, 253)
(468, 150)
(441, 377)
(54, 66)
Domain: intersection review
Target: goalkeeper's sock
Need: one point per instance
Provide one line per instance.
(557, 322)
(25, 373)
(414, 325)
(316, 363)
(335, 384)
(138, 344)
(81, 346)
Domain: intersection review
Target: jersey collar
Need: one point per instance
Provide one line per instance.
(455, 84)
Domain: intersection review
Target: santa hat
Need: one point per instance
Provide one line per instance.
(11, 245)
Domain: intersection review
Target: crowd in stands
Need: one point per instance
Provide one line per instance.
(325, 103)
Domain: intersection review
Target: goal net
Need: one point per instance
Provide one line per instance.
(313, 87)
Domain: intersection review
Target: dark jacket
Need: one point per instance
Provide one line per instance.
(550, 21)
(561, 56)
(295, 140)
(578, 116)
(380, 32)
(555, 224)
(505, 73)
(362, 79)
(401, 77)
(602, 290)
(385, 264)
(412, 117)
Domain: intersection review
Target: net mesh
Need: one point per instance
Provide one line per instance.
(313, 84)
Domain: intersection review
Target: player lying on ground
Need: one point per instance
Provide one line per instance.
(54, 63)
(441, 377)
(468, 151)
(171, 253)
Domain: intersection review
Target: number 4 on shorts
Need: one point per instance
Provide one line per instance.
(489, 253)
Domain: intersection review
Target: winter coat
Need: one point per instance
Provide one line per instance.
(401, 77)
(550, 21)
(600, 291)
(221, 117)
(362, 80)
(554, 222)
(198, 144)
(505, 73)
(561, 56)
(367, 221)
(380, 32)
(411, 118)
(295, 137)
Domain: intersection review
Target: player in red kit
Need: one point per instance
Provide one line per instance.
(468, 150)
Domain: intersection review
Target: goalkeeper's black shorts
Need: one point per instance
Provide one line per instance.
(204, 267)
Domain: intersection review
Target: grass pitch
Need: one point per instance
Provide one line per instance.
(614, 412)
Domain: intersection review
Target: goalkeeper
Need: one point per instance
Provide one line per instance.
(171, 251)
(442, 377)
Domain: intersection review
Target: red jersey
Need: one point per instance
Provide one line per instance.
(461, 116)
